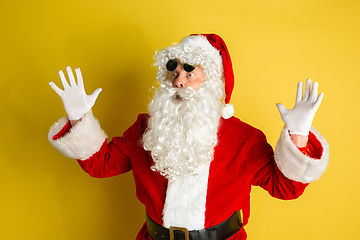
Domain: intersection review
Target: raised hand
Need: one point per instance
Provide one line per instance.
(75, 100)
(299, 119)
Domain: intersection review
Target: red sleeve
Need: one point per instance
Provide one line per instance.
(112, 158)
(313, 148)
(63, 131)
(264, 172)
(109, 161)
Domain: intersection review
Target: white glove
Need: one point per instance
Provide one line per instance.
(299, 119)
(75, 100)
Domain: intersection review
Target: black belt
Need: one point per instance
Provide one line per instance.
(221, 231)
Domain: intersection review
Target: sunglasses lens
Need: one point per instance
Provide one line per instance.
(171, 65)
(188, 67)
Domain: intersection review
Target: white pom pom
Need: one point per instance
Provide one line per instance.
(227, 111)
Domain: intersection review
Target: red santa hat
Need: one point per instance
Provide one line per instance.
(218, 43)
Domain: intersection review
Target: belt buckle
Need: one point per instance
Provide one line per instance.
(185, 230)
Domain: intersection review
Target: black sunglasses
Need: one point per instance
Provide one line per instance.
(172, 65)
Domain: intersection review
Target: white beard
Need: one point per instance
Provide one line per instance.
(182, 133)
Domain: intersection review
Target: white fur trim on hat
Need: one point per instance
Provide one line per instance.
(227, 111)
(294, 164)
(82, 141)
(200, 41)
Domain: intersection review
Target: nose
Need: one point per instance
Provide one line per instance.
(180, 81)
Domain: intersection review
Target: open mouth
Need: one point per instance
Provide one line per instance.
(177, 97)
(183, 94)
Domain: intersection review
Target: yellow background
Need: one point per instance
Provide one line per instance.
(273, 45)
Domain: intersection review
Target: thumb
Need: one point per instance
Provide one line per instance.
(92, 98)
(283, 111)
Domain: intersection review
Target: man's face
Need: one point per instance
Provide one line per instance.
(183, 79)
(182, 128)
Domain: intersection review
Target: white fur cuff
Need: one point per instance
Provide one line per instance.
(294, 164)
(82, 141)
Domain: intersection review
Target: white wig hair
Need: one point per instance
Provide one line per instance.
(182, 135)
(194, 50)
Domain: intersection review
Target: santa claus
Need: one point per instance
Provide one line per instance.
(193, 162)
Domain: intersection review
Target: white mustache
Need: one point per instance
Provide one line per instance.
(183, 93)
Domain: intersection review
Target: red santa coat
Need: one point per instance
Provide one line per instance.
(242, 159)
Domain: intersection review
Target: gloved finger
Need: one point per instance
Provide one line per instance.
(307, 89)
(71, 76)
(55, 88)
(283, 111)
(318, 101)
(63, 80)
(299, 92)
(79, 78)
(313, 92)
(92, 98)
